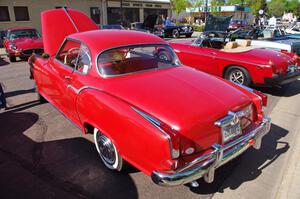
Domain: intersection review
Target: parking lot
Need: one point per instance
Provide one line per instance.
(43, 155)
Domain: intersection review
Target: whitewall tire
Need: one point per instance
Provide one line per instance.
(107, 151)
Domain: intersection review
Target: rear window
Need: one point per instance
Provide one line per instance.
(132, 59)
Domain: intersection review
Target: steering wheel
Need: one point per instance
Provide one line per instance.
(67, 56)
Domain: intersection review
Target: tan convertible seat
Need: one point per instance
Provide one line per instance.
(231, 45)
(245, 43)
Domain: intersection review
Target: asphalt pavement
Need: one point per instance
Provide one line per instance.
(42, 155)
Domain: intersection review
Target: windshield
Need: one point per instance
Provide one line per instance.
(211, 39)
(23, 33)
(132, 59)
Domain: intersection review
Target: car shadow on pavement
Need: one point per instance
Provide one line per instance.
(283, 91)
(3, 62)
(38, 167)
(19, 92)
(248, 166)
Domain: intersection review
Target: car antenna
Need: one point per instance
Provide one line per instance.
(68, 14)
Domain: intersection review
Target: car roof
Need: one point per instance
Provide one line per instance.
(99, 40)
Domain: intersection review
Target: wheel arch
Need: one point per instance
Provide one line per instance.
(234, 65)
(117, 120)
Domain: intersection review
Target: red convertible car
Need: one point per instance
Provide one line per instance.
(131, 92)
(243, 64)
(22, 42)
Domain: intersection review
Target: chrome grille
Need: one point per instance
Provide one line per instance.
(34, 50)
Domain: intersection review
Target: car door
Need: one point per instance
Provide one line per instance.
(200, 57)
(59, 74)
(78, 80)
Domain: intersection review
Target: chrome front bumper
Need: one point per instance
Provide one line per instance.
(205, 166)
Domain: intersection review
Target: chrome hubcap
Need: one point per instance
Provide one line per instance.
(237, 77)
(106, 148)
(175, 33)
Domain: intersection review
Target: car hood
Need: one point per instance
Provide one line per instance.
(289, 41)
(150, 21)
(217, 23)
(28, 43)
(71, 20)
(190, 101)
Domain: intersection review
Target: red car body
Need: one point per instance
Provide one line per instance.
(258, 66)
(22, 45)
(166, 121)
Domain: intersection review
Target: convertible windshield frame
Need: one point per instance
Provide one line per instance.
(204, 36)
(136, 46)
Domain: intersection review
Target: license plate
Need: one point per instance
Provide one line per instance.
(231, 131)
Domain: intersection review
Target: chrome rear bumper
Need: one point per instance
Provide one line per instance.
(205, 166)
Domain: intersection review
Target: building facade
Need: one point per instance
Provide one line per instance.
(27, 12)
(236, 11)
(127, 12)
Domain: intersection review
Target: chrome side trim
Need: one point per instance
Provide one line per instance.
(77, 91)
(205, 166)
(174, 153)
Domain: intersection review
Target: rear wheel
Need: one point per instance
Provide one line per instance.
(107, 151)
(12, 58)
(238, 75)
(175, 33)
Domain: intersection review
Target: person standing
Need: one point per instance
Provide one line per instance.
(168, 22)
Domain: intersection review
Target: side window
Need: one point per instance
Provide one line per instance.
(68, 53)
(84, 60)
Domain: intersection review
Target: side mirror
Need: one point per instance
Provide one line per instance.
(45, 55)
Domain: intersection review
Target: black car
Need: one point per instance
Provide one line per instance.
(153, 24)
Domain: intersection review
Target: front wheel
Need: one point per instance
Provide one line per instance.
(175, 33)
(107, 151)
(12, 58)
(238, 75)
(188, 35)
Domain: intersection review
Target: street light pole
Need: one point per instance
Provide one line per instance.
(206, 8)
(121, 10)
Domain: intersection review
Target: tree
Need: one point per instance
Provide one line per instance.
(277, 7)
(179, 5)
(217, 2)
(293, 6)
(234, 2)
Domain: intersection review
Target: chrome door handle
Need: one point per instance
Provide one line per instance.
(213, 53)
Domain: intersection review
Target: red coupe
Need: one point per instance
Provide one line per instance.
(22, 42)
(131, 92)
(241, 64)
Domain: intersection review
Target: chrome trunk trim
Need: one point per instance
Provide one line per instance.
(205, 166)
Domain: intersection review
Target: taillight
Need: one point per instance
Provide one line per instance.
(262, 97)
(273, 66)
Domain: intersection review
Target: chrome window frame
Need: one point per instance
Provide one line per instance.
(132, 46)
(69, 67)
